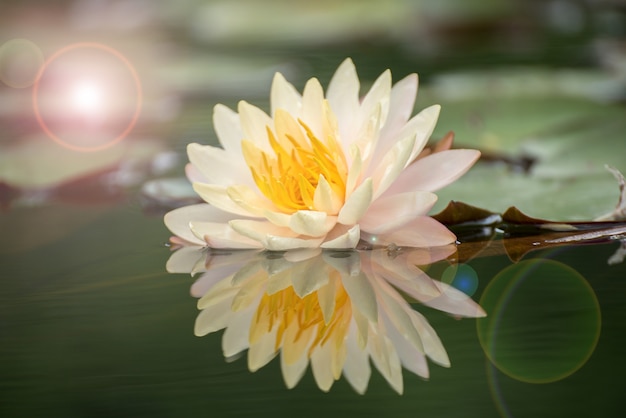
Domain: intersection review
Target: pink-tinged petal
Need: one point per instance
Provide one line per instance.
(177, 220)
(435, 171)
(395, 308)
(342, 237)
(378, 97)
(218, 196)
(343, 96)
(194, 174)
(411, 357)
(312, 105)
(404, 276)
(391, 165)
(419, 127)
(254, 123)
(221, 235)
(401, 103)
(389, 213)
(228, 128)
(433, 346)
(455, 302)
(217, 166)
(423, 231)
(284, 96)
(311, 223)
(386, 360)
(325, 199)
(423, 124)
(356, 204)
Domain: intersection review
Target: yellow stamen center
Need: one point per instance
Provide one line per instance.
(289, 175)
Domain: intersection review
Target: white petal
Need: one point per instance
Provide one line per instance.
(188, 259)
(193, 174)
(342, 237)
(177, 220)
(325, 199)
(326, 299)
(228, 128)
(308, 276)
(321, 365)
(221, 235)
(235, 338)
(356, 204)
(272, 237)
(311, 223)
(423, 231)
(343, 96)
(388, 213)
(254, 123)
(293, 372)
(213, 318)
(435, 170)
(263, 351)
(217, 166)
(284, 96)
(362, 295)
(312, 105)
(355, 170)
(249, 200)
(218, 197)
(357, 368)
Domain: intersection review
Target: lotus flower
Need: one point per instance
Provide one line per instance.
(334, 310)
(321, 170)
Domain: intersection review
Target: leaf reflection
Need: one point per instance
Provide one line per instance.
(333, 309)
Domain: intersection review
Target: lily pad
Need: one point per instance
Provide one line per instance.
(545, 153)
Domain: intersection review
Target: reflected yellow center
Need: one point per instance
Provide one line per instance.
(289, 174)
(300, 320)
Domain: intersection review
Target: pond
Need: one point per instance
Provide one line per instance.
(102, 315)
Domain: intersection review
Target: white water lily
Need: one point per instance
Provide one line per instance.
(321, 170)
(333, 310)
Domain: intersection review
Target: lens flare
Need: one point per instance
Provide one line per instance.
(87, 97)
(543, 321)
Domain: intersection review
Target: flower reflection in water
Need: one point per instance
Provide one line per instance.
(333, 309)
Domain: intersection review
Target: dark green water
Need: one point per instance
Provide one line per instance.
(92, 325)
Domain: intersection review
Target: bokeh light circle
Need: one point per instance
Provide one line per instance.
(543, 321)
(20, 62)
(83, 94)
(462, 277)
